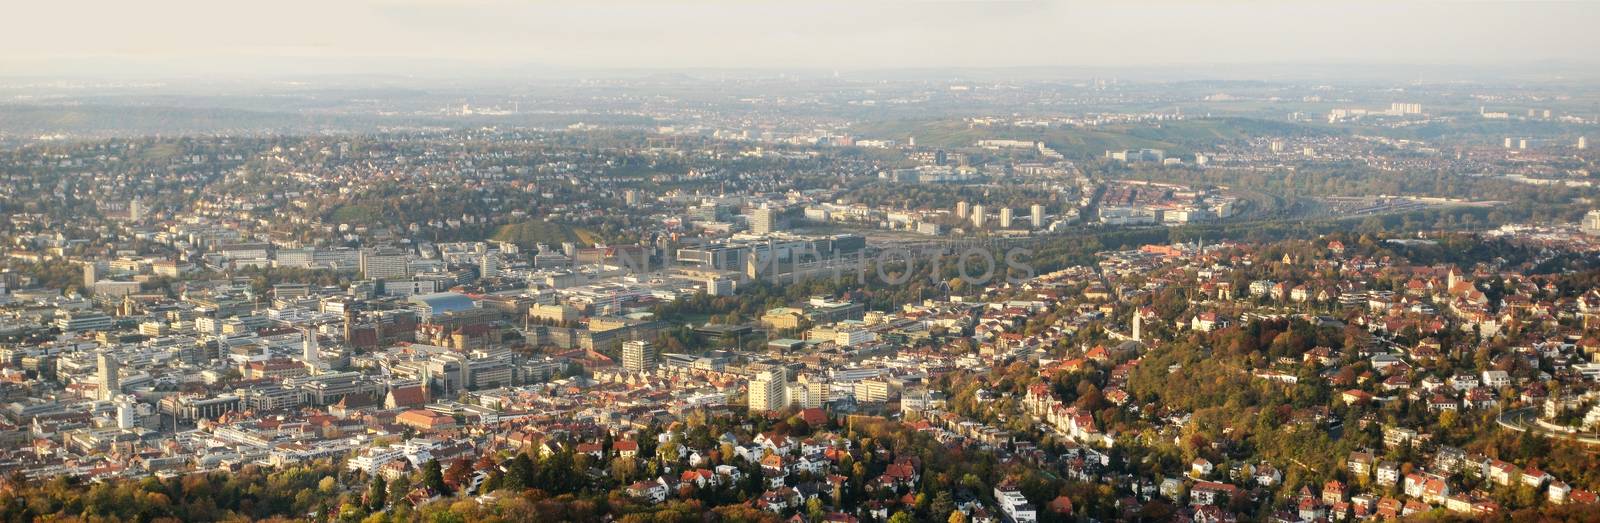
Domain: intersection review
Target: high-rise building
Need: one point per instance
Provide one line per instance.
(1277, 146)
(378, 264)
(310, 351)
(769, 390)
(90, 275)
(1508, 142)
(978, 215)
(1591, 223)
(1037, 213)
(764, 220)
(1523, 144)
(135, 210)
(638, 356)
(812, 391)
(1005, 218)
(127, 412)
(110, 379)
(1583, 142)
(961, 210)
(488, 265)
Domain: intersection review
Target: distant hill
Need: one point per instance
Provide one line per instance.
(1179, 137)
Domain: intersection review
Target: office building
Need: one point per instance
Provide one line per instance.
(110, 379)
(1141, 155)
(872, 391)
(377, 264)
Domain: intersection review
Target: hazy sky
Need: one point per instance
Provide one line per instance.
(226, 37)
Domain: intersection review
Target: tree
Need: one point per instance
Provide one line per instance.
(942, 505)
(377, 494)
(433, 477)
(624, 469)
(398, 490)
(957, 517)
(519, 474)
(459, 473)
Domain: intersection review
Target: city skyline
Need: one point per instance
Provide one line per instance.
(882, 261)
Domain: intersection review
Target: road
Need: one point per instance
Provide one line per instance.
(1521, 420)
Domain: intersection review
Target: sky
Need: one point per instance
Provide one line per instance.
(154, 38)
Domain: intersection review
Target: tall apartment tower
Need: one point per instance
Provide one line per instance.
(1037, 213)
(961, 210)
(1005, 218)
(764, 220)
(978, 213)
(126, 411)
(488, 265)
(769, 390)
(638, 356)
(110, 379)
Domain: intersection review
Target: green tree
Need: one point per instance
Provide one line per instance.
(377, 494)
(433, 477)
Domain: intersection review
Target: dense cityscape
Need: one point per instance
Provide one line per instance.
(957, 295)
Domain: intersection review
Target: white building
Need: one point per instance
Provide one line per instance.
(769, 390)
(1014, 505)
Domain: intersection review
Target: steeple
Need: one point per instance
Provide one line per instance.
(310, 352)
